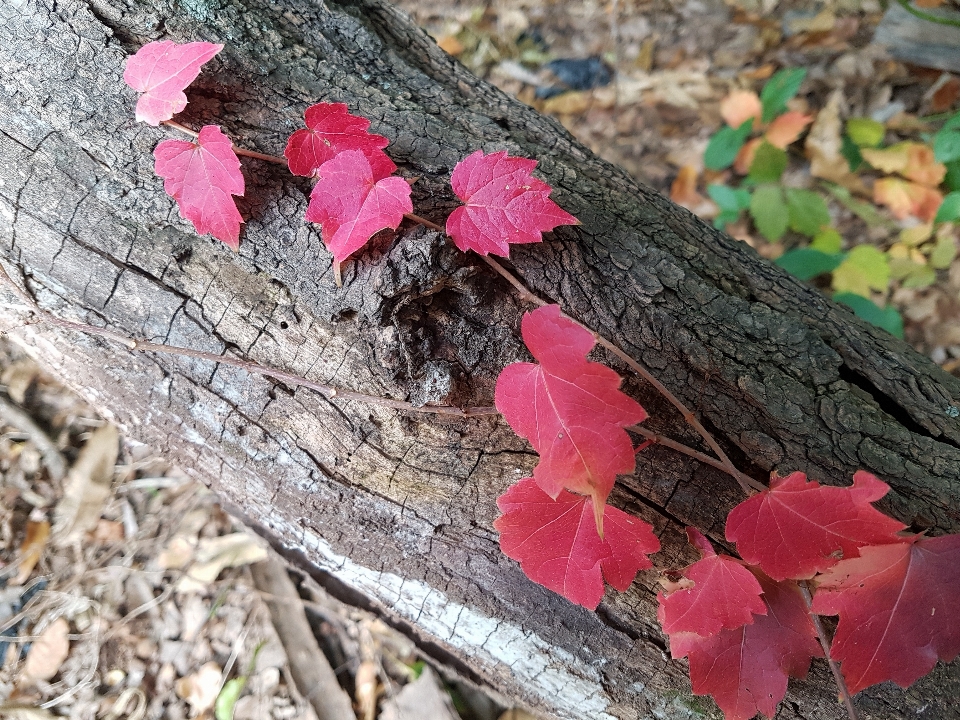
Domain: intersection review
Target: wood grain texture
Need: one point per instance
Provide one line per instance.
(400, 506)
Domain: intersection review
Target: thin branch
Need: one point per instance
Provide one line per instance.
(250, 366)
(825, 644)
(423, 221)
(747, 483)
(657, 439)
(238, 150)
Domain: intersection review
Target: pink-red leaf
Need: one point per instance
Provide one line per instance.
(570, 410)
(899, 607)
(724, 595)
(746, 669)
(161, 70)
(201, 177)
(331, 129)
(351, 203)
(557, 543)
(504, 204)
(798, 528)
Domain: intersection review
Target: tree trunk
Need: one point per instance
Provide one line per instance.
(398, 505)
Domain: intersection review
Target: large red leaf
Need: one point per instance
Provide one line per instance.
(504, 204)
(201, 177)
(899, 607)
(570, 410)
(161, 70)
(351, 203)
(746, 669)
(558, 546)
(724, 594)
(332, 129)
(799, 528)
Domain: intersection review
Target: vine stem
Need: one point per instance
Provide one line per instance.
(747, 483)
(238, 150)
(825, 644)
(905, 4)
(328, 391)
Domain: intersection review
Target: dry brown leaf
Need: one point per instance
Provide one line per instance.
(47, 652)
(17, 711)
(34, 542)
(421, 699)
(929, 4)
(907, 198)
(450, 45)
(823, 146)
(739, 106)
(18, 377)
(200, 689)
(216, 553)
(367, 689)
(87, 486)
(569, 103)
(106, 531)
(915, 161)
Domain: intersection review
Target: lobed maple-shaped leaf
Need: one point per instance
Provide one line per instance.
(798, 528)
(161, 70)
(331, 129)
(202, 176)
(505, 204)
(571, 410)
(899, 608)
(746, 669)
(352, 201)
(724, 594)
(558, 546)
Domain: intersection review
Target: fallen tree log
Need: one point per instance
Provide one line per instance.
(397, 506)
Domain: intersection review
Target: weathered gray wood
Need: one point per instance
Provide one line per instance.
(396, 505)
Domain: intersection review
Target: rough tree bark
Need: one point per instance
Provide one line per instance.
(397, 505)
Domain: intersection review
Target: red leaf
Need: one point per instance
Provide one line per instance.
(351, 203)
(899, 610)
(161, 70)
(504, 204)
(724, 594)
(799, 528)
(201, 177)
(570, 410)
(746, 669)
(557, 543)
(331, 129)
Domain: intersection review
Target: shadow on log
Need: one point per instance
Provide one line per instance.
(398, 506)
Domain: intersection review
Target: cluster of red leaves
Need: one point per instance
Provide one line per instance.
(745, 628)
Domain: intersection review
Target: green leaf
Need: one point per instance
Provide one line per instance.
(887, 318)
(769, 211)
(866, 268)
(725, 144)
(851, 152)
(227, 699)
(864, 210)
(808, 211)
(952, 179)
(827, 241)
(943, 253)
(725, 197)
(865, 132)
(952, 123)
(946, 146)
(726, 217)
(768, 165)
(806, 263)
(949, 208)
(778, 90)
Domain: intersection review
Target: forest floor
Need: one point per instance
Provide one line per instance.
(126, 592)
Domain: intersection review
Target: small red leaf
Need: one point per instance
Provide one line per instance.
(798, 528)
(724, 595)
(351, 203)
(504, 204)
(570, 410)
(899, 610)
(201, 177)
(746, 669)
(557, 543)
(161, 70)
(331, 129)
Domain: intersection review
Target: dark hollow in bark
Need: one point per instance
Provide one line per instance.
(398, 506)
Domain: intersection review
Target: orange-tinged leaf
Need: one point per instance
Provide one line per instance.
(684, 193)
(907, 198)
(913, 160)
(744, 159)
(739, 106)
(787, 128)
(38, 532)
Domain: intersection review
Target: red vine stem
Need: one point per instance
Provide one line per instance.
(238, 150)
(657, 439)
(250, 366)
(825, 644)
(747, 483)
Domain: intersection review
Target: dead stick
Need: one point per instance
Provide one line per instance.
(825, 644)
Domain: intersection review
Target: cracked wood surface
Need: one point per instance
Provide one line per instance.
(398, 506)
